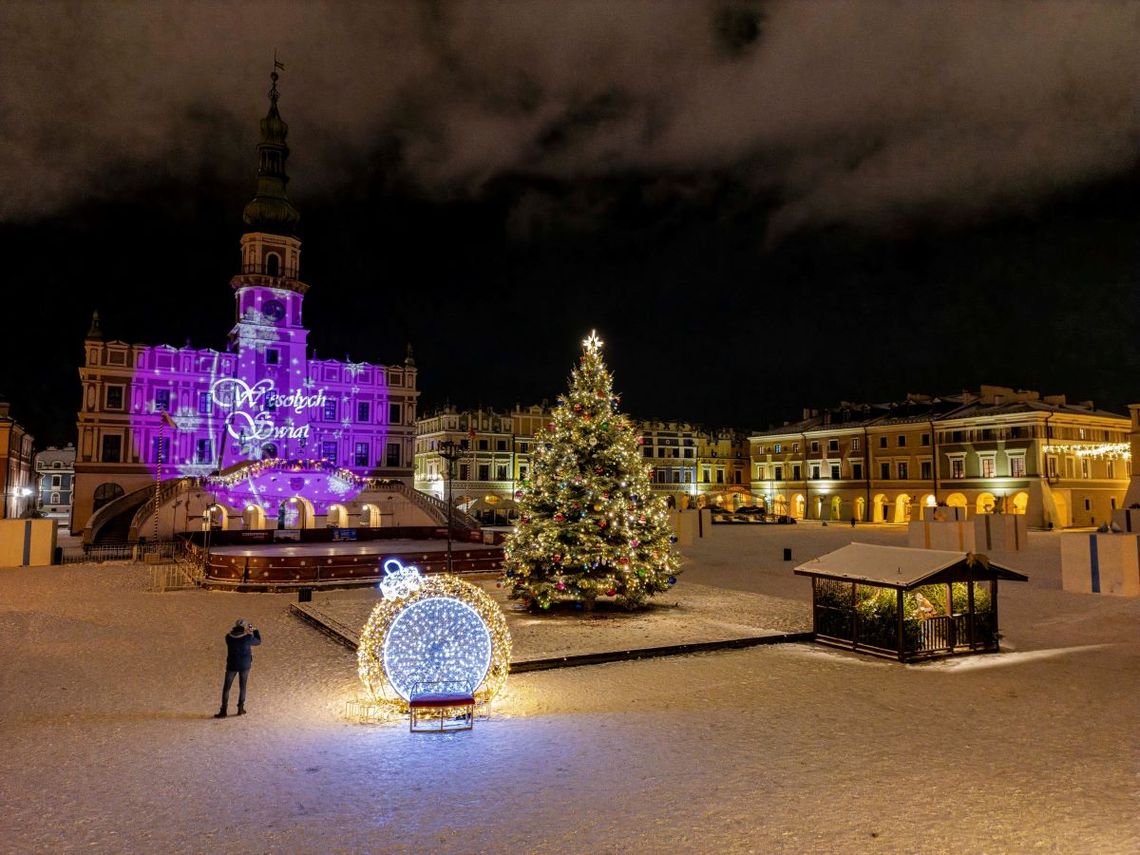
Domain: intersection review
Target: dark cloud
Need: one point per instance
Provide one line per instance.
(852, 112)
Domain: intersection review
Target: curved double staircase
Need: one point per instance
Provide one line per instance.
(120, 520)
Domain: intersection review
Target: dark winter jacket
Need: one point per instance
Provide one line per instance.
(239, 655)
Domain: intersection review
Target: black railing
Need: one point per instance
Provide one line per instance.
(94, 553)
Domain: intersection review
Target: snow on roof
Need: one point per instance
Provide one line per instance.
(897, 566)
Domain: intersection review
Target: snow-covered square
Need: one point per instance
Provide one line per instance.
(109, 743)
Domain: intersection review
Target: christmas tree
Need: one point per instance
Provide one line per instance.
(589, 525)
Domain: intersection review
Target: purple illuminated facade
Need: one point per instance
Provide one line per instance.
(268, 431)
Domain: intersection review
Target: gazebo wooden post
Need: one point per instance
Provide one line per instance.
(899, 607)
(994, 611)
(951, 631)
(970, 604)
(815, 605)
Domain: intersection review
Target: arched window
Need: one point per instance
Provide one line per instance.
(54, 499)
(105, 493)
(273, 264)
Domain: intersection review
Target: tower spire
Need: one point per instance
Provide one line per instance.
(270, 209)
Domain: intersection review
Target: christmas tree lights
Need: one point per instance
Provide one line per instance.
(589, 526)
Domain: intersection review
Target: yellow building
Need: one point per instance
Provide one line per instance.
(691, 466)
(994, 450)
(16, 459)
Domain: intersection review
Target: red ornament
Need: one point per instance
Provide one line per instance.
(559, 517)
(602, 523)
(623, 560)
(557, 559)
(611, 592)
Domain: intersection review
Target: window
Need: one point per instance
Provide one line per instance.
(795, 448)
(904, 471)
(833, 445)
(987, 433)
(161, 400)
(105, 493)
(706, 473)
(689, 452)
(1081, 435)
(54, 499)
(328, 450)
(882, 442)
(855, 444)
(647, 451)
(779, 476)
(329, 413)
(392, 457)
(677, 452)
(955, 436)
(924, 469)
(796, 472)
(56, 482)
(522, 473)
(362, 415)
(926, 439)
(1051, 467)
(857, 470)
(1017, 467)
(902, 440)
(272, 356)
(501, 472)
(720, 476)
(1109, 469)
(484, 471)
(484, 445)
(272, 264)
(161, 450)
(204, 451)
(661, 452)
(815, 445)
(776, 448)
(885, 471)
(112, 448)
(958, 467)
(815, 471)
(464, 471)
(394, 415)
(114, 398)
(834, 471)
(360, 454)
(987, 467)
(204, 403)
(500, 445)
(524, 447)
(1085, 467)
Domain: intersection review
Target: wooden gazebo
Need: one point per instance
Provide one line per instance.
(906, 603)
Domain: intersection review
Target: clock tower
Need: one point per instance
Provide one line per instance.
(268, 335)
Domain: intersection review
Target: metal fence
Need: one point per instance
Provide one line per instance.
(96, 553)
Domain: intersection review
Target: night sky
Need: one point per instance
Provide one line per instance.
(759, 206)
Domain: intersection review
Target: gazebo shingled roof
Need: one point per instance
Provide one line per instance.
(912, 568)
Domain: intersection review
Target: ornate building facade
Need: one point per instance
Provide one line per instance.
(55, 474)
(998, 449)
(15, 467)
(690, 466)
(273, 434)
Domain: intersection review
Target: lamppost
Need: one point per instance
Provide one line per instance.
(451, 452)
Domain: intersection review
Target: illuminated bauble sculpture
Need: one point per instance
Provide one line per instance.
(444, 631)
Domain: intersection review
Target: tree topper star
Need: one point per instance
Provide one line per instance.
(592, 343)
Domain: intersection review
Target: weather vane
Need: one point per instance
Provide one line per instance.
(592, 343)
